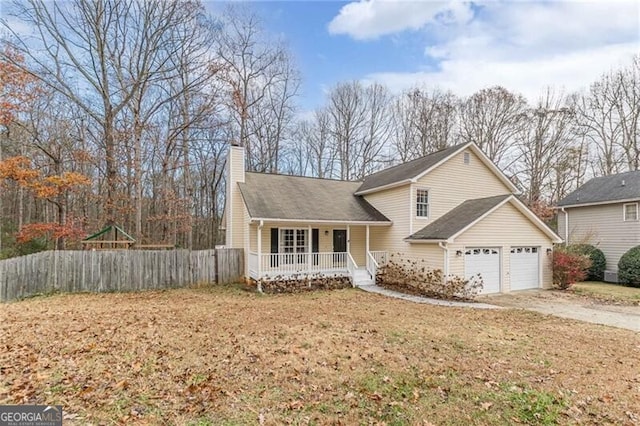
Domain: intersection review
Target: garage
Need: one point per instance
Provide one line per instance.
(525, 267)
(486, 262)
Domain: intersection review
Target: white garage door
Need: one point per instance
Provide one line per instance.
(524, 267)
(486, 262)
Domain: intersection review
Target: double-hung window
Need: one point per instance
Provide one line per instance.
(630, 212)
(422, 203)
(293, 241)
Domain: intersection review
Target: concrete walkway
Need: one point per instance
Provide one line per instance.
(419, 299)
(571, 307)
(626, 317)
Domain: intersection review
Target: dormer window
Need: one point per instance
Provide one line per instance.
(630, 211)
(422, 203)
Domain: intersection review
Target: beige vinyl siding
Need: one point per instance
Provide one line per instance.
(395, 205)
(357, 244)
(431, 254)
(504, 228)
(237, 223)
(453, 182)
(604, 227)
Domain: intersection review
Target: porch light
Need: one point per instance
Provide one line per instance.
(458, 252)
(549, 250)
(326, 232)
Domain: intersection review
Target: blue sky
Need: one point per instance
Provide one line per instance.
(454, 45)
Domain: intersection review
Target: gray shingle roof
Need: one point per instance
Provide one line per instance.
(606, 188)
(272, 196)
(406, 170)
(457, 219)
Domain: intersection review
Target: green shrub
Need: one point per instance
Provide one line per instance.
(629, 267)
(598, 261)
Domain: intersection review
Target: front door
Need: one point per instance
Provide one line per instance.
(339, 246)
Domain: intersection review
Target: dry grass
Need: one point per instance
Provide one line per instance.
(611, 293)
(226, 356)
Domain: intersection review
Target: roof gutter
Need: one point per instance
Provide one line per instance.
(597, 203)
(383, 187)
(323, 221)
(425, 241)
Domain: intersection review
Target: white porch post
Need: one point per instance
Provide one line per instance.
(367, 240)
(309, 247)
(260, 250)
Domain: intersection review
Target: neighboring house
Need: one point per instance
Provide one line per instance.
(603, 212)
(453, 209)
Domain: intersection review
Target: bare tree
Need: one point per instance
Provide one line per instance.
(261, 84)
(426, 122)
(491, 118)
(542, 143)
(99, 55)
(359, 126)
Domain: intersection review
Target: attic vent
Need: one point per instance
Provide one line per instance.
(466, 158)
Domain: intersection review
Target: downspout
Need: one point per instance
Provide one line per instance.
(566, 226)
(444, 247)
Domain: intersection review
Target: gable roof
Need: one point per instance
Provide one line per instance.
(108, 228)
(412, 170)
(455, 222)
(451, 223)
(605, 189)
(282, 197)
(406, 171)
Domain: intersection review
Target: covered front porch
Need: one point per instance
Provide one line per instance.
(286, 250)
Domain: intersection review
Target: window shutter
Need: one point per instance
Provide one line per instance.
(315, 239)
(315, 233)
(274, 247)
(274, 240)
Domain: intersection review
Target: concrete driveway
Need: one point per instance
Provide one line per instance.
(568, 305)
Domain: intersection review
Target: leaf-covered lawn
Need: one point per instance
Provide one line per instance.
(226, 356)
(611, 293)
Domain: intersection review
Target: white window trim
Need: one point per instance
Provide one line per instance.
(624, 212)
(428, 204)
(295, 240)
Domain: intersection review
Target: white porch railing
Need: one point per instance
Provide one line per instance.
(253, 264)
(380, 257)
(372, 266)
(287, 264)
(351, 267)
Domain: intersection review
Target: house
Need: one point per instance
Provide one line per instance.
(454, 209)
(603, 212)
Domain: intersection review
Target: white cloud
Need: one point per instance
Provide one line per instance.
(369, 19)
(569, 72)
(523, 46)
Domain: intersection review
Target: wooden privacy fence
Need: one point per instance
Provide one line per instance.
(118, 270)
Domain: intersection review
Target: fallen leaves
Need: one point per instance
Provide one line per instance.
(340, 357)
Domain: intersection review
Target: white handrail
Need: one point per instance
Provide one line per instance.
(372, 266)
(351, 267)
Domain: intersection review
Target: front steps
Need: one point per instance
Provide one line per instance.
(362, 278)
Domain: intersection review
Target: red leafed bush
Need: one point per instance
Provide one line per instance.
(569, 268)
